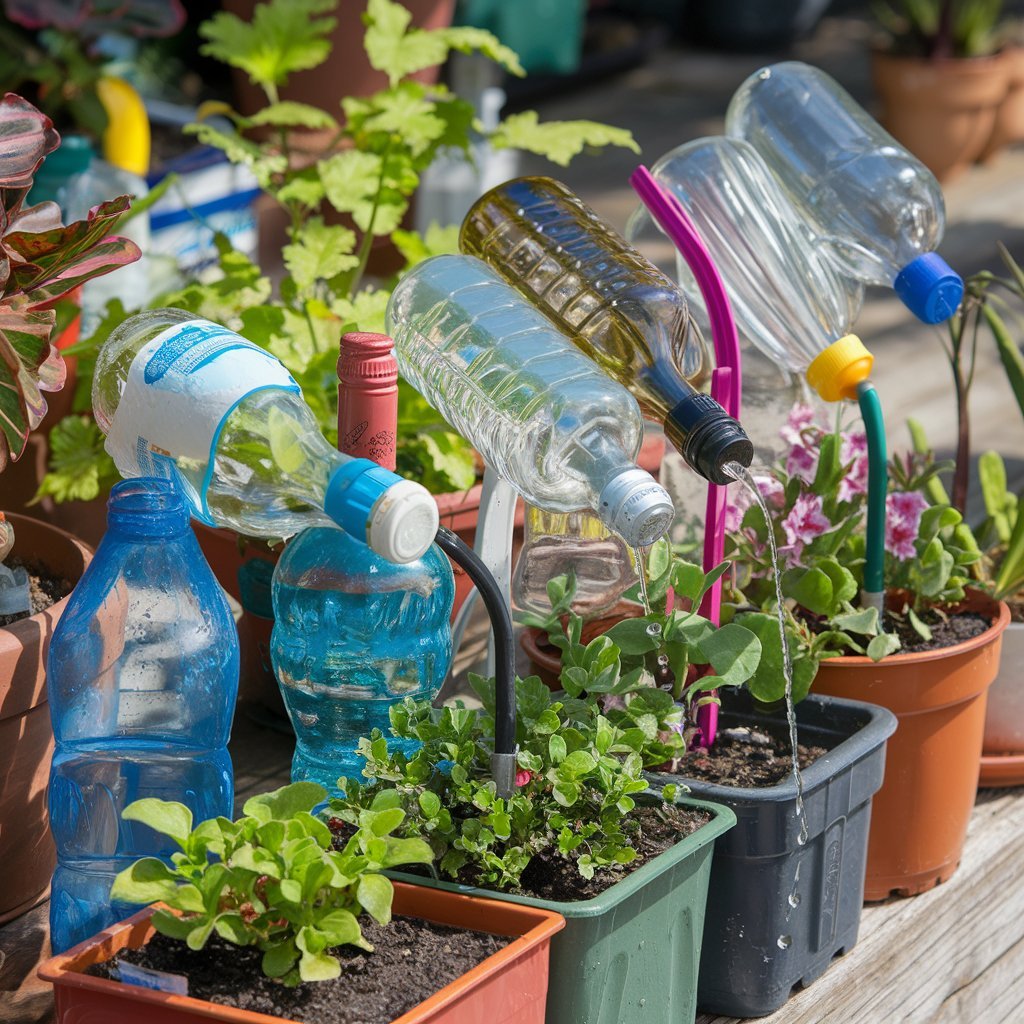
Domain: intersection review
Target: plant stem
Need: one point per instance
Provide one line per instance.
(963, 438)
(367, 243)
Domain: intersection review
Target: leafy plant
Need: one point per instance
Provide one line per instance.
(270, 879)
(363, 163)
(579, 771)
(941, 28)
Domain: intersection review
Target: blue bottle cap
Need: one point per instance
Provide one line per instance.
(930, 288)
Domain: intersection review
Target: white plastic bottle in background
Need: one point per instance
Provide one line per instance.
(877, 209)
(543, 416)
(186, 398)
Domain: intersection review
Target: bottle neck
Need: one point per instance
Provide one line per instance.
(368, 398)
(597, 460)
(146, 509)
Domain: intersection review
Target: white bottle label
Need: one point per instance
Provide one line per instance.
(181, 388)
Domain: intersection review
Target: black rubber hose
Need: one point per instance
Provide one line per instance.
(504, 655)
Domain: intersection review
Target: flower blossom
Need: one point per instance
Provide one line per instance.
(523, 777)
(853, 450)
(800, 418)
(804, 522)
(902, 521)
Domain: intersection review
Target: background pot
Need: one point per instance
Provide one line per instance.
(26, 737)
(778, 911)
(943, 111)
(507, 988)
(920, 815)
(1009, 126)
(1002, 751)
(631, 953)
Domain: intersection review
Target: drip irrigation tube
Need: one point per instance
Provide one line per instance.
(873, 594)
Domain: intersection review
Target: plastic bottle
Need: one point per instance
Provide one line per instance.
(142, 678)
(787, 300)
(355, 634)
(182, 397)
(543, 416)
(614, 305)
(878, 210)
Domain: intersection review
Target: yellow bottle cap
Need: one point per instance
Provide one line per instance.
(126, 141)
(836, 373)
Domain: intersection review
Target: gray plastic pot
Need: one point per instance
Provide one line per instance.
(778, 912)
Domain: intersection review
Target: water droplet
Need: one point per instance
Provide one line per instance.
(794, 899)
(801, 840)
(663, 660)
(654, 630)
(643, 1002)
(784, 941)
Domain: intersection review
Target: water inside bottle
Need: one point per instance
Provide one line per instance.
(740, 473)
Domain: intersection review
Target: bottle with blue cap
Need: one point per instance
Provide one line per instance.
(876, 209)
(183, 398)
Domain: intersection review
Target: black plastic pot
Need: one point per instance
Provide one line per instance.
(778, 912)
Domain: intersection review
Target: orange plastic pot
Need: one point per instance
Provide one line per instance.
(919, 816)
(509, 987)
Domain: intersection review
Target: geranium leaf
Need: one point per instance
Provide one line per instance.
(559, 141)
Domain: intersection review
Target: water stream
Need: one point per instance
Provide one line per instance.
(640, 558)
(738, 472)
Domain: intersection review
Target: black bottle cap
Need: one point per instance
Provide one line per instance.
(708, 437)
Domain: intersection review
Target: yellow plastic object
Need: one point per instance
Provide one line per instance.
(126, 142)
(836, 373)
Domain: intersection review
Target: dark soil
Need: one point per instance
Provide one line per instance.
(748, 757)
(946, 630)
(45, 589)
(411, 961)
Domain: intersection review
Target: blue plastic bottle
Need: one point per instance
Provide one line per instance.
(142, 678)
(353, 635)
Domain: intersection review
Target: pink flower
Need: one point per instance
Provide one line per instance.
(736, 508)
(802, 462)
(801, 418)
(853, 444)
(804, 522)
(523, 777)
(902, 521)
(853, 450)
(772, 491)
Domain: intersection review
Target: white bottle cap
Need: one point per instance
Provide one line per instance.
(636, 507)
(403, 522)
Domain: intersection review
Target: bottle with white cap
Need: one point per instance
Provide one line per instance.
(185, 398)
(877, 211)
(543, 416)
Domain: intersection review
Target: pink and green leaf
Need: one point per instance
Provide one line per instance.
(27, 362)
(26, 137)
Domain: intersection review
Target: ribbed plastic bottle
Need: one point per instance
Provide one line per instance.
(543, 416)
(787, 299)
(354, 634)
(626, 315)
(185, 398)
(878, 210)
(142, 678)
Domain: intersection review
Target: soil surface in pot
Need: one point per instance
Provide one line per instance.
(946, 630)
(747, 756)
(45, 589)
(412, 960)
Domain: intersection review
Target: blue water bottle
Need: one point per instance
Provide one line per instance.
(142, 678)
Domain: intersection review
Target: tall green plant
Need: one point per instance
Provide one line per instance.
(938, 29)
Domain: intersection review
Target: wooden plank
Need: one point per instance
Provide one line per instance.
(953, 954)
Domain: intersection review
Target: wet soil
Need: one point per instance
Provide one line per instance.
(747, 757)
(412, 960)
(45, 589)
(946, 630)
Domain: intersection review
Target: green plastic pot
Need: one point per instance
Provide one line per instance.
(631, 953)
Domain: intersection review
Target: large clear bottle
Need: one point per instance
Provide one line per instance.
(877, 209)
(786, 298)
(543, 416)
(183, 397)
(617, 307)
(142, 678)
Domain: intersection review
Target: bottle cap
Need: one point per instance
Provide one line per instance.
(708, 438)
(364, 356)
(397, 518)
(636, 507)
(837, 371)
(930, 288)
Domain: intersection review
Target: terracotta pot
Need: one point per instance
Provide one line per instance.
(26, 738)
(943, 111)
(920, 815)
(509, 986)
(1002, 750)
(1009, 126)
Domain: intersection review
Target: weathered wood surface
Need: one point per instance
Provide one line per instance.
(954, 955)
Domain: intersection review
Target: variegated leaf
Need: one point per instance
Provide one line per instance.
(24, 349)
(26, 136)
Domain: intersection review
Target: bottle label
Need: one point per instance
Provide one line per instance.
(146, 977)
(181, 388)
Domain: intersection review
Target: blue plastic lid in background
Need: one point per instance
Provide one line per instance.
(930, 288)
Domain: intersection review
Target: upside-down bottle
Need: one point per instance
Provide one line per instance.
(876, 209)
(617, 307)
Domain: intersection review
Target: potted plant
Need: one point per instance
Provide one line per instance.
(580, 835)
(261, 920)
(41, 262)
(939, 78)
(930, 661)
(755, 949)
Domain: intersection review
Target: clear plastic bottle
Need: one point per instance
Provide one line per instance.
(878, 210)
(625, 314)
(353, 636)
(787, 300)
(142, 678)
(543, 416)
(182, 397)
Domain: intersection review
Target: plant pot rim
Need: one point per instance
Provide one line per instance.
(723, 818)
(65, 969)
(974, 601)
(960, 64)
(881, 724)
